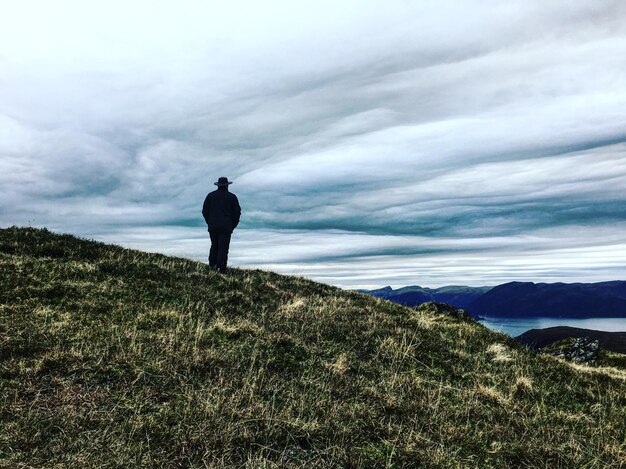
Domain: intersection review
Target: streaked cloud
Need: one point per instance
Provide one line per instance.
(371, 142)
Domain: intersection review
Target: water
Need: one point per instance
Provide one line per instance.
(517, 326)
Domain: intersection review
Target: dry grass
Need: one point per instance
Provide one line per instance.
(117, 358)
(500, 352)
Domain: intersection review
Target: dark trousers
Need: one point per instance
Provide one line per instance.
(218, 255)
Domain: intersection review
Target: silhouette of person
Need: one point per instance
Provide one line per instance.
(221, 211)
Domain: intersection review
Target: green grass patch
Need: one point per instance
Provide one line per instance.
(111, 357)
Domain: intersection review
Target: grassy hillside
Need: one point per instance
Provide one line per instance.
(118, 358)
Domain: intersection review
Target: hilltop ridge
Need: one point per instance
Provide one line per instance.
(112, 357)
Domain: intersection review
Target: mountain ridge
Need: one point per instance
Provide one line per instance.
(460, 296)
(521, 299)
(573, 300)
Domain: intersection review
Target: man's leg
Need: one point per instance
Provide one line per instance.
(214, 246)
(222, 251)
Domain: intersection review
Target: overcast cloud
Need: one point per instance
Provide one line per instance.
(371, 143)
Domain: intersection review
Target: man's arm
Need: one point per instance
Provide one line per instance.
(236, 212)
(205, 209)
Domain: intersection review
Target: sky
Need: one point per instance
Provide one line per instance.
(371, 143)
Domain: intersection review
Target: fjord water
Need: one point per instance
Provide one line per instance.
(517, 326)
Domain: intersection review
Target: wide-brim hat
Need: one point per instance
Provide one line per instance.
(223, 181)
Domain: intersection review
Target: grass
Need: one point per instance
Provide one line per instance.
(616, 360)
(111, 357)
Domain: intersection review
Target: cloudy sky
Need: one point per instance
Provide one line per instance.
(371, 143)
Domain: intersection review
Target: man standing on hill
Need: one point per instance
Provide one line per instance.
(221, 211)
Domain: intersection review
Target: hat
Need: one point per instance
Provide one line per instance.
(223, 181)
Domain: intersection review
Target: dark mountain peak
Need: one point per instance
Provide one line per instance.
(458, 296)
(410, 287)
(380, 292)
(519, 285)
(523, 299)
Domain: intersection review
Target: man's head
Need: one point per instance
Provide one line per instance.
(223, 182)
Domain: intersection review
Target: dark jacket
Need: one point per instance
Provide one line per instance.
(221, 211)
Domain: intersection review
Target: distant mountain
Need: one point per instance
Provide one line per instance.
(539, 338)
(458, 296)
(520, 299)
(572, 300)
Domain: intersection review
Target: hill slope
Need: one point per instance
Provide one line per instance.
(118, 358)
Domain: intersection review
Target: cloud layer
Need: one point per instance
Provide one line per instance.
(371, 142)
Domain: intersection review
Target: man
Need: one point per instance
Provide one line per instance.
(221, 211)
